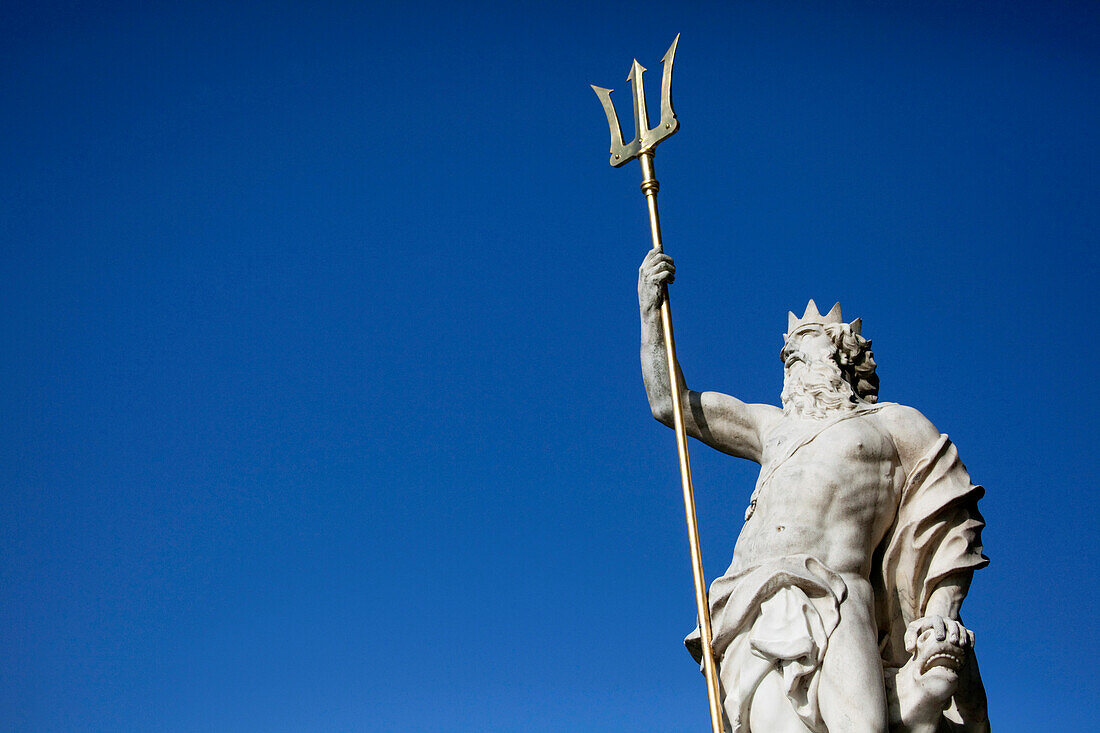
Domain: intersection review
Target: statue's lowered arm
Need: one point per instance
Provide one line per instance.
(930, 461)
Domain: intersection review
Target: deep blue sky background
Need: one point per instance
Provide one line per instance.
(321, 405)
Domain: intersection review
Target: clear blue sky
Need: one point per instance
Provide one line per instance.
(321, 404)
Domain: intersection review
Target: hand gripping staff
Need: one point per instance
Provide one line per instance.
(642, 147)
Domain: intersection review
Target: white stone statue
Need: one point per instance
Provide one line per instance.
(840, 609)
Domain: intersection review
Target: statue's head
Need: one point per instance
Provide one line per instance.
(827, 364)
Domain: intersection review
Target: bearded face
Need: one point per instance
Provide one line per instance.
(813, 385)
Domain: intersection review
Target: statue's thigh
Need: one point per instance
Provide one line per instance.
(852, 694)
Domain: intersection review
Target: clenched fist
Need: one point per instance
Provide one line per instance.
(657, 269)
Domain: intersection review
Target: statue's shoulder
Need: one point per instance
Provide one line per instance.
(904, 417)
(913, 434)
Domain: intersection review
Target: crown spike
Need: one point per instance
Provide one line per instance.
(813, 317)
(856, 326)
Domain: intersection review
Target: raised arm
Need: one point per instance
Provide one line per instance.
(723, 422)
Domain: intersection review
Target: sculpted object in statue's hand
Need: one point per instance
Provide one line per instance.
(923, 687)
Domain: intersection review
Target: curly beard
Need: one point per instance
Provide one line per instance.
(816, 390)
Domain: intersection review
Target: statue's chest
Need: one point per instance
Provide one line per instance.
(838, 450)
(839, 476)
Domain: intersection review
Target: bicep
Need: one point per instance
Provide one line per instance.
(727, 424)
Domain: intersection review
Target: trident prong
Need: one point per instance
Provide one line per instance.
(645, 138)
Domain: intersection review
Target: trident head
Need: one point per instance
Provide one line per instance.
(645, 139)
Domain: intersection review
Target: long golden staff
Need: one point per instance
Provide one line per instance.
(642, 147)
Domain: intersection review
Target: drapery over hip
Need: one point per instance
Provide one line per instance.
(777, 616)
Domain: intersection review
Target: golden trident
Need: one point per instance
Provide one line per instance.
(642, 147)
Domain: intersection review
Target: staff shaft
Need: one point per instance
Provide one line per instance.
(649, 188)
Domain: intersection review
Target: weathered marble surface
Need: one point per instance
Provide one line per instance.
(840, 609)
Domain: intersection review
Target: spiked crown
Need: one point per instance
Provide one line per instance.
(812, 317)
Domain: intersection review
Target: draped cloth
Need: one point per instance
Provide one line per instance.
(774, 616)
(780, 615)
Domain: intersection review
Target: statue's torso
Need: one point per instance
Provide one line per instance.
(834, 498)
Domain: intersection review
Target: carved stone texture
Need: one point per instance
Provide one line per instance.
(840, 609)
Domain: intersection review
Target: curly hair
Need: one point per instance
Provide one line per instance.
(856, 360)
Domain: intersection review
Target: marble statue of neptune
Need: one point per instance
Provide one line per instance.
(840, 610)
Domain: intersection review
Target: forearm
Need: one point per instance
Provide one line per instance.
(947, 598)
(654, 358)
